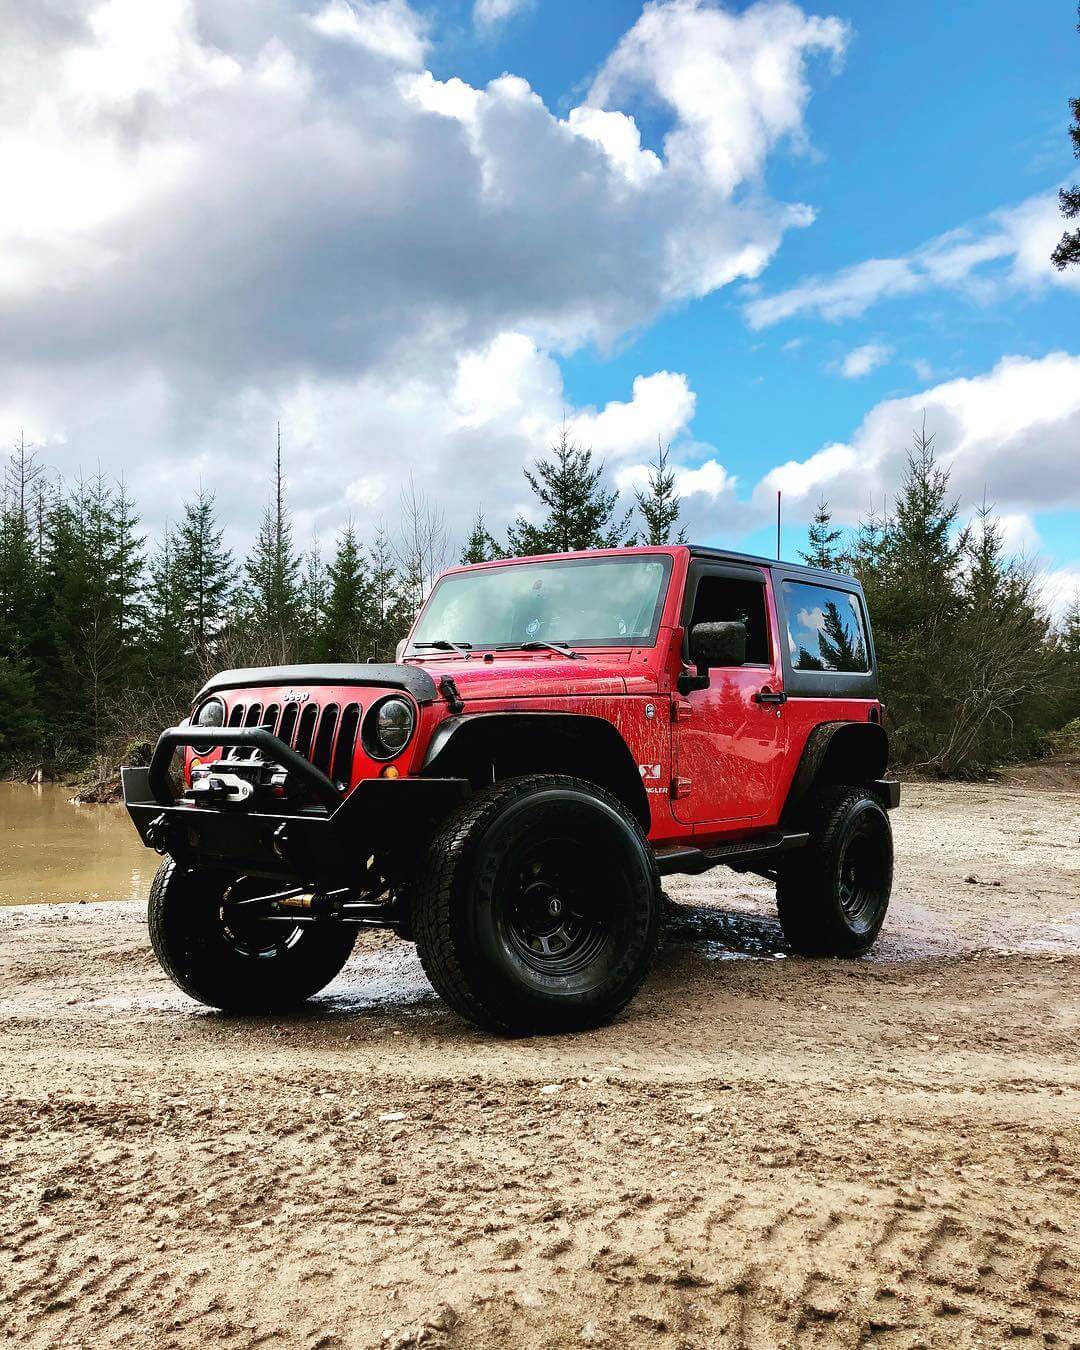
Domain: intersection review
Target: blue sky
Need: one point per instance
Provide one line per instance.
(419, 234)
(940, 114)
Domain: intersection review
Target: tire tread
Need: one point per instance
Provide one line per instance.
(804, 887)
(449, 858)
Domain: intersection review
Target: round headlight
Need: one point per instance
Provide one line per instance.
(209, 714)
(388, 728)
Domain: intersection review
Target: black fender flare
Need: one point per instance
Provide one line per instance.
(578, 743)
(842, 752)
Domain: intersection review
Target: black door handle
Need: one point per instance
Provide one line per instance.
(767, 696)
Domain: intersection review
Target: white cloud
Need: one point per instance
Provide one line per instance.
(1059, 588)
(228, 212)
(619, 138)
(387, 27)
(1018, 533)
(488, 12)
(862, 360)
(811, 618)
(737, 83)
(1013, 434)
(1006, 251)
(662, 406)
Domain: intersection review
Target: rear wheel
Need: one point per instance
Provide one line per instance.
(216, 951)
(833, 895)
(539, 906)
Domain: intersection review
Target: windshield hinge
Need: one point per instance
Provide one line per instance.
(449, 691)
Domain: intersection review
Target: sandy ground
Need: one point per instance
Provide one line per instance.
(763, 1151)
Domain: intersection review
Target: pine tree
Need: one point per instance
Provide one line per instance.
(313, 588)
(1069, 643)
(391, 613)
(348, 631)
(20, 714)
(127, 561)
(823, 540)
(839, 649)
(203, 575)
(23, 612)
(1068, 250)
(1000, 665)
(21, 608)
(910, 565)
(579, 508)
(168, 651)
(658, 506)
(480, 545)
(273, 573)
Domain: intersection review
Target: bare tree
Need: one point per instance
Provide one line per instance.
(21, 479)
(423, 544)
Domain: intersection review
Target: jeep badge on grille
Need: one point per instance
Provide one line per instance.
(296, 696)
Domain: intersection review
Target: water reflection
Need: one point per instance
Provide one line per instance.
(51, 850)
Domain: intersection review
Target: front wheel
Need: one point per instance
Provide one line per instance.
(539, 906)
(210, 947)
(832, 896)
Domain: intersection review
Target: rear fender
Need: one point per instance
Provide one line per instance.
(838, 752)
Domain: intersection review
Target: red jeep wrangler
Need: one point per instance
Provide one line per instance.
(558, 734)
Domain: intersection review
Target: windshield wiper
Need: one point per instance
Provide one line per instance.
(445, 645)
(540, 644)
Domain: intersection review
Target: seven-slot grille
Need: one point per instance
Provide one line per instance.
(324, 734)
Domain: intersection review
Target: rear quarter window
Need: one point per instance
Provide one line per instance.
(825, 628)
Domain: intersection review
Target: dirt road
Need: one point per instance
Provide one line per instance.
(763, 1151)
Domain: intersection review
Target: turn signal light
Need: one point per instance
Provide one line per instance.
(390, 772)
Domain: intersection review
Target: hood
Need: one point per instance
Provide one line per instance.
(534, 675)
(413, 679)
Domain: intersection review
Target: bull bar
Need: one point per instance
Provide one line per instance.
(320, 845)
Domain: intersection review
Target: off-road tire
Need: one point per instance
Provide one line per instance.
(483, 881)
(192, 941)
(825, 909)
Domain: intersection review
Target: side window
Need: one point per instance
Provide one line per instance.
(725, 598)
(825, 628)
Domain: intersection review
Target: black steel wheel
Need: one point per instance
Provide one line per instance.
(555, 915)
(833, 895)
(217, 949)
(539, 906)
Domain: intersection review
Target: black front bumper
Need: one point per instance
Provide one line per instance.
(321, 845)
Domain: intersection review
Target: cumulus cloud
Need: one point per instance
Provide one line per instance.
(1007, 251)
(221, 212)
(387, 27)
(862, 360)
(736, 83)
(1060, 588)
(1012, 433)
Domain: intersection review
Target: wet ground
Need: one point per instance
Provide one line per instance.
(763, 1151)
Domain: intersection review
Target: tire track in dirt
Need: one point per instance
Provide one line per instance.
(763, 1152)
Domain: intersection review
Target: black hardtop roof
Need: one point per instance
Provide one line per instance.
(777, 564)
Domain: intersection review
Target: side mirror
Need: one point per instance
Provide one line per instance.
(399, 651)
(714, 644)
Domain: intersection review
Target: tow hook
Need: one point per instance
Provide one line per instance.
(155, 834)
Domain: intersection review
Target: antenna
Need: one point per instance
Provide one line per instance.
(778, 525)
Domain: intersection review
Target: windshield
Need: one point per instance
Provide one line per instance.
(599, 602)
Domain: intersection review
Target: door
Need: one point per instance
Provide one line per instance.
(728, 743)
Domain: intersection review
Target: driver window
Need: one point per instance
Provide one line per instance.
(724, 599)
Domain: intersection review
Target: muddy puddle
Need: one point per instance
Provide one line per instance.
(51, 850)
